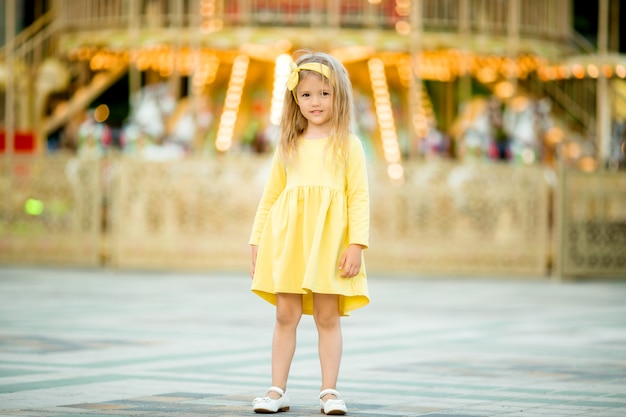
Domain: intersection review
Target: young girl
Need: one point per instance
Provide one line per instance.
(312, 224)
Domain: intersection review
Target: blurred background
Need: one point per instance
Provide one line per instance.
(137, 133)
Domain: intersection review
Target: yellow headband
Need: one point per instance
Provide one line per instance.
(294, 75)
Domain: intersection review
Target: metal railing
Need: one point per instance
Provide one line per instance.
(574, 101)
(129, 213)
(34, 43)
(590, 224)
(28, 50)
(448, 218)
(537, 18)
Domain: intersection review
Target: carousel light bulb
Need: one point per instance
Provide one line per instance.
(403, 27)
(281, 72)
(101, 113)
(384, 111)
(593, 71)
(395, 171)
(225, 131)
(587, 164)
(554, 135)
(403, 7)
(574, 151)
(487, 75)
(564, 71)
(504, 89)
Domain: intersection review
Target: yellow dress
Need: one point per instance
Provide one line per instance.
(311, 210)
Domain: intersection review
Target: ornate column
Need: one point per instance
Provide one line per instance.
(465, 77)
(134, 16)
(415, 82)
(603, 106)
(9, 117)
(513, 34)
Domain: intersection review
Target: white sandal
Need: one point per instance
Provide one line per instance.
(268, 405)
(336, 406)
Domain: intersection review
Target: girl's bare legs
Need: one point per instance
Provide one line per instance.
(288, 314)
(330, 342)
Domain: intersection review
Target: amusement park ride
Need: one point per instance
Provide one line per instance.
(135, 133)
(488, 78)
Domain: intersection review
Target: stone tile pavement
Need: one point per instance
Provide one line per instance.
(99, 342)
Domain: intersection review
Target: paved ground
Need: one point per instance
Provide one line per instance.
(119, 343)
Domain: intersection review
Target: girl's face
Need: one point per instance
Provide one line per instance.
(315, 101)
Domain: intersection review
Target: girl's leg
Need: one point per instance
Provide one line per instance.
(330, 343)
(288, 314)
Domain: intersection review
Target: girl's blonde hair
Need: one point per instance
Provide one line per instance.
(293, 124)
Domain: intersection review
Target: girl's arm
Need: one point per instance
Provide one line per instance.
(357, 193)
(274, 186)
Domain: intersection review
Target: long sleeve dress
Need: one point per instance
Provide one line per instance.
(310, 211)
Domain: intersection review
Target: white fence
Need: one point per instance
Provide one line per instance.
(471, 219)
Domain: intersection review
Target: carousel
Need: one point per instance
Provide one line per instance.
(161, 79)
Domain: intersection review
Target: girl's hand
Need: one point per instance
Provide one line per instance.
(350, 262)
(255, 250)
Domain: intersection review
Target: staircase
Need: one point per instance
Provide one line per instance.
(81, 99)
(33, 50)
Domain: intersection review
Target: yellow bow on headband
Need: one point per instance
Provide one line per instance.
(294, 75)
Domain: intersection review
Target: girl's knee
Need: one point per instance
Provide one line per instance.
(288, 317)
(326, 312)
(326, 321)
(288, 310)
(325, 305)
